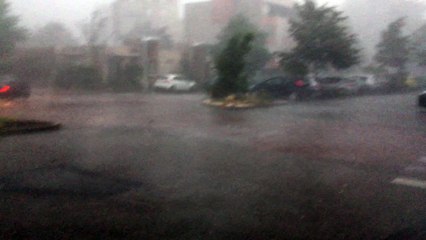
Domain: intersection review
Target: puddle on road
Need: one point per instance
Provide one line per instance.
(65, 181)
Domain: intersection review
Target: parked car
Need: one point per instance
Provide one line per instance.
(351, 85)
(174, 82)
(422, 99)
(10, 87)
(333, 86)
(285, 87)
(329, 85)
(366, 82)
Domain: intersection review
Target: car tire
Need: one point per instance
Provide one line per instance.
(26, 95)
(294, 96)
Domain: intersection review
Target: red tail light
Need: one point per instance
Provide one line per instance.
(299, 83)
(5, 89)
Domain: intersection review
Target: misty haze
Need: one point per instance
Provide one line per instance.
(213, 119)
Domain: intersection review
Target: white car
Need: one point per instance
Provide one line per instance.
(174, 82)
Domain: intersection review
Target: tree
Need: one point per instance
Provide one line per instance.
(185, 63)
(53, 34)
(240, 25)
(322, 39)
(393, 49)
(128, 79)
(369, 18)
(94, 29)
(146, 30)
(94, 32)
(293, 65)
(418, 46)
(230, 64)
(78, 77)
(393, 52)
(10, 33)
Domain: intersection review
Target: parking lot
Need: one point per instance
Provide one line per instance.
(165, 166)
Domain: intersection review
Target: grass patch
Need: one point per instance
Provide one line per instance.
(4, 121)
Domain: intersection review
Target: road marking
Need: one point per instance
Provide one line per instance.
(410, 182)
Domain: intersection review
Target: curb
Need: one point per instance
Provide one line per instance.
(27, 127)
(233, 106)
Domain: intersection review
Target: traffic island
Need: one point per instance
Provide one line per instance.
(13, 127)
(242, 102)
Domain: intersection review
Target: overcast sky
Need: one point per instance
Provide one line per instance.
(36, 13)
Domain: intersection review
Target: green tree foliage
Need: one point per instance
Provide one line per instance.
(78, 77)
(418, 46)
(35, 65)
(128, 79)
(322, 39)
(94, 30)
(10, 33)
(185, 63)
(230, 65)
(53, 34)
(240, 25)
(368, 18)
(293, 65)
(393, 52)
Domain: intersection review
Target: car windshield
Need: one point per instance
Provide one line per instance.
(212, 119)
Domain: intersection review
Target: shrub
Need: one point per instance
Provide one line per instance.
(230, 65)
(128, 79)
(79, 77)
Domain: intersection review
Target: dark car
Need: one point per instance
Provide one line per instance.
(10, 87)
(334, 86)
(422, 99)
(284, 87)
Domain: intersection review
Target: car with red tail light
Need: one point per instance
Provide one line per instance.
(292, 88)
(10, 88)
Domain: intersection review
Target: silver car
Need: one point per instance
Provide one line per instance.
(174, 82)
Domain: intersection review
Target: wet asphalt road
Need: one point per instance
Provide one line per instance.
(162, 166)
